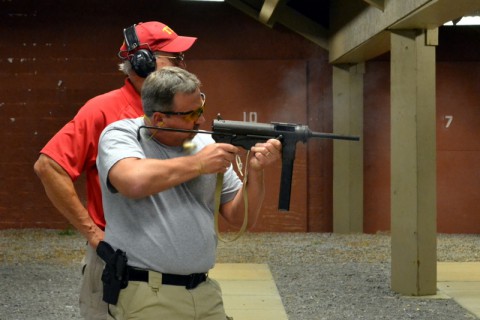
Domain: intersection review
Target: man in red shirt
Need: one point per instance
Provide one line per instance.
(73, 150)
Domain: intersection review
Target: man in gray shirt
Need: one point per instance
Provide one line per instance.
(159, 200)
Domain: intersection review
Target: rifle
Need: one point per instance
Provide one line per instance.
(247, 134)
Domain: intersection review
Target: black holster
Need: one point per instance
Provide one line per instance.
(115, 275)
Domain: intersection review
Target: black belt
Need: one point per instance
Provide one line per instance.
(190, 281)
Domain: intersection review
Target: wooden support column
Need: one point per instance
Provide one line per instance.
(413, 162)
(348, 155)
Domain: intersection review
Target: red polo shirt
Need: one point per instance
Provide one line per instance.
(75, 146)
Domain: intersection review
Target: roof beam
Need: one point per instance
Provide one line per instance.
(359, 33)
(242, 6)
(436, 13)
(304, 26)
(379, 4)
(267, 13)
(276, 11)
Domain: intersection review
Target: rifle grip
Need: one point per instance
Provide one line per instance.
(288, 158)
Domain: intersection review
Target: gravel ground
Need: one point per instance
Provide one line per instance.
(320, 276)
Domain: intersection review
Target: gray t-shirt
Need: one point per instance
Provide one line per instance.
(172, 231)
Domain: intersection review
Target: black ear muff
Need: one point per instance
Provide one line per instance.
(143, 61)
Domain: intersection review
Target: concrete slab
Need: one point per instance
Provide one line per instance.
(461, 282)
(458, 271)
(249, 291)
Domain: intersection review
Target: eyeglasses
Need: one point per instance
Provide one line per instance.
(192, 115)
(179, 59)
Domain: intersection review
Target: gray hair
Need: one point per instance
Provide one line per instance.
(125, 67)
(160, 88)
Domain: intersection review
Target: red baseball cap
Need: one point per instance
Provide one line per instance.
(158, 37)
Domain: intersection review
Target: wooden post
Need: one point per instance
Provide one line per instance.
(413, 163)
(348, 156)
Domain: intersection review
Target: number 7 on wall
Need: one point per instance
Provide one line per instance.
(449, 121)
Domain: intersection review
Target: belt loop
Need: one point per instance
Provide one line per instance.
(154, 279)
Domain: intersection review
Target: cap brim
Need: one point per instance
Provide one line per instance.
(179, 44)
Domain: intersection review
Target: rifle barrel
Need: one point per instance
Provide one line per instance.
(333, 136)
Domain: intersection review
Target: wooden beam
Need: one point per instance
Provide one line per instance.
(242, 6)
(276, 11)
(355, 24)
(379, 4)
(267, 13)
(303, 26)
(435, 13)
(356, 30)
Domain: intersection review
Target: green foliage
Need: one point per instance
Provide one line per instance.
(67, 232)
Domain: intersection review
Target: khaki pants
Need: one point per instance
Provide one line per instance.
(92, 306)
(154, 301)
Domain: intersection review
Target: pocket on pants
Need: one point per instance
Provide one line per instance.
(92, 305)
